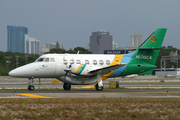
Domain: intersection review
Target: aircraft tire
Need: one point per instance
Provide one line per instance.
(98, 88)
(66, 86)
(31, 87)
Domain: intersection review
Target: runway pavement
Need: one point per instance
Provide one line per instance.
(89, 94)
(106, 85)
(138, 91)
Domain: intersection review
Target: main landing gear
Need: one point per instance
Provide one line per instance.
(66, 86)
(31, 87)
(99, 85)
(98, 88)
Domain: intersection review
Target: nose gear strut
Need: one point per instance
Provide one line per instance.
(31, 87)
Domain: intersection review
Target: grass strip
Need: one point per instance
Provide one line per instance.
(90, 108)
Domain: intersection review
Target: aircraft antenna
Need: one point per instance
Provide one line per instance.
(78, 52)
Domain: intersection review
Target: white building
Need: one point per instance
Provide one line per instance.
(136, 40)
(32, 45)
(114, 45)
(51, 45)
(44, 50)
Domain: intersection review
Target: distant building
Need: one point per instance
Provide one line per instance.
(100, 41)
(127, 49)
(114, 45)
(32, 46)
(51, 45)
(44, 50)
(114, 51)
(16, 38)
(136, 40)
(87, 47)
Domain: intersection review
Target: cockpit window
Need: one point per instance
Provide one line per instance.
(40, 60)
(52, 59)
(46, 60)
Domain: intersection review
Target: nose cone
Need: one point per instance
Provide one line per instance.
(24, 71)
(12, 73)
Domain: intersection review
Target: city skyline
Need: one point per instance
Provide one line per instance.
(72, 22)
(19, 41)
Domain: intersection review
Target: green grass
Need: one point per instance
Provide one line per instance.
(90, 108)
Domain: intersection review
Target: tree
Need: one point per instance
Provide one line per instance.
(82, 50)
(57, 45)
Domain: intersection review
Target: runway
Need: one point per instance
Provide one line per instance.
(89, 94)
(106, 85)
(137, 91)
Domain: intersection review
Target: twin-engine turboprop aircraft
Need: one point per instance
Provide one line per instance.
(84, 69)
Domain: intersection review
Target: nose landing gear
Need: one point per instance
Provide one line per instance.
(66, 86)
(31, 87)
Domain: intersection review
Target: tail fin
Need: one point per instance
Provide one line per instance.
(144, 58)
(154, 41)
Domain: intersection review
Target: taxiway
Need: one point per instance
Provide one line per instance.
(89, 93)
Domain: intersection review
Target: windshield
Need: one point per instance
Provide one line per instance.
(40, 60)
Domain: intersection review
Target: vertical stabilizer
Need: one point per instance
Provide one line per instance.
(144, 58)
(154, 41)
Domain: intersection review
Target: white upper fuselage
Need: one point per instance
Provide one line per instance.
(53, 65)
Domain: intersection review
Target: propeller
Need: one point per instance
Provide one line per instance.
(68, 70)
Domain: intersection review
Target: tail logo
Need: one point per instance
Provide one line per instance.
(153, 39)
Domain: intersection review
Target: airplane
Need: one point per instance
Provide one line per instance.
(85, 69)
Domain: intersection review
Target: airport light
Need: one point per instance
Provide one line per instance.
(26, 58)
(8, 61)
(17, 61)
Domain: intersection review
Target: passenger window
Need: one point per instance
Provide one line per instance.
(40, 59)
(101, 62)
(94, 62)
(65, 62)
(46, 60)
(87, 62)
(107, 62)
(52, 59)
(71, 61)
(78, 62)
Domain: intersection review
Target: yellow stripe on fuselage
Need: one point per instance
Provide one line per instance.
(78, 68)
(117, 60)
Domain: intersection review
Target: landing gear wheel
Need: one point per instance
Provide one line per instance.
(66, 86)
(98, 88)
(31, 87)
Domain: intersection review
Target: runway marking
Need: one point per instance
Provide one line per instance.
(87, 87)
(32, 95)
(111, 93)
(84, 87)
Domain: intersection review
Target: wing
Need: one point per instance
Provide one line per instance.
(106, 70)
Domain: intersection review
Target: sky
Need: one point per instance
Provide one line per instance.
(71, 22)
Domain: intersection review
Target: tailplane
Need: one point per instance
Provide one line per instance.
(144, 58)
(148, 51)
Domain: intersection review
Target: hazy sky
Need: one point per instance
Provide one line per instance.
(71, 22)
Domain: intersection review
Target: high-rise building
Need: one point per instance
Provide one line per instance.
(32, 46)
(136, 40)
(100, 41)
(16, 38)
